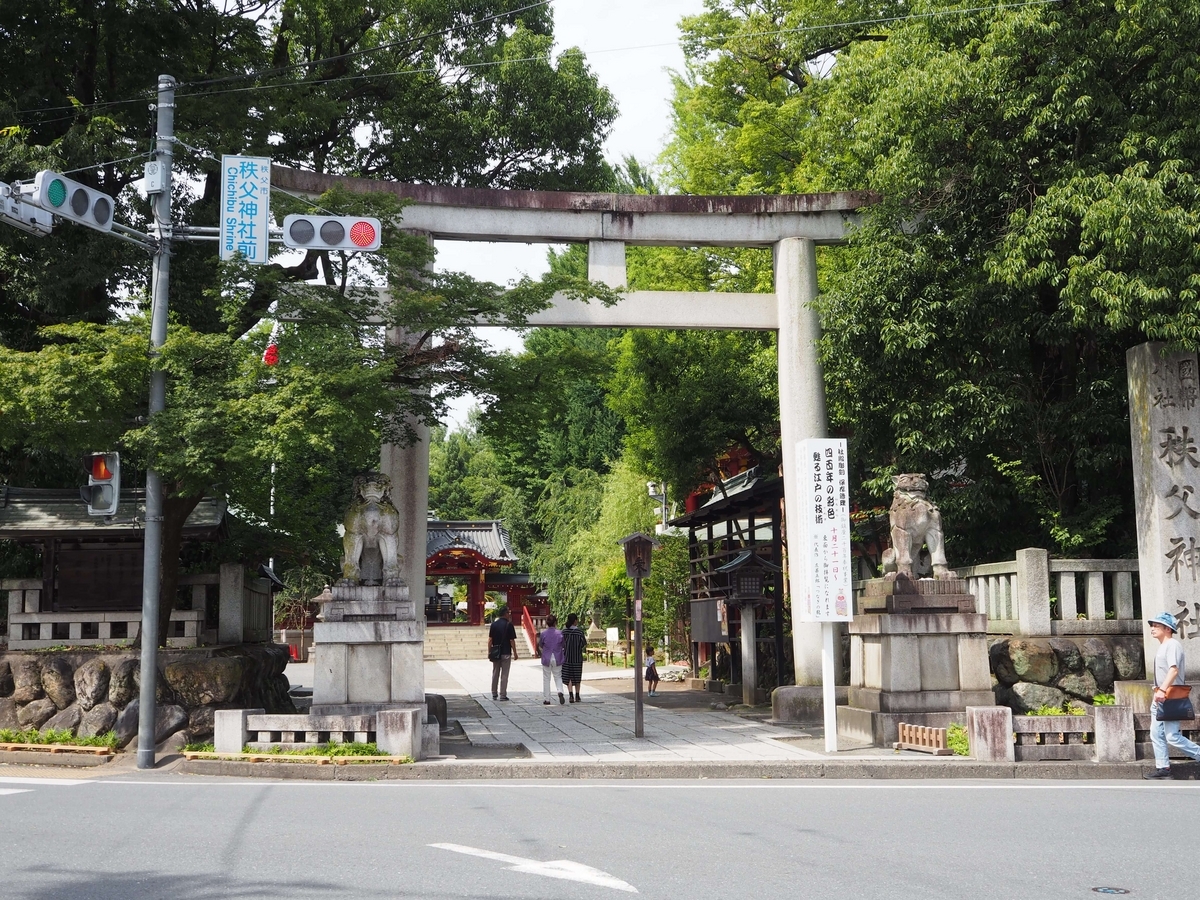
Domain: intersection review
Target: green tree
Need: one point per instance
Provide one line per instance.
(1037, 217)
(302, 81)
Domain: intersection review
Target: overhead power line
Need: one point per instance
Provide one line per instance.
(543, 57)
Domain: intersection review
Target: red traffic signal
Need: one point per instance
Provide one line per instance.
(302, 232)
(103, 491)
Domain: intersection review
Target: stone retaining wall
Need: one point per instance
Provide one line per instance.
(1033, 672)
(90, 692)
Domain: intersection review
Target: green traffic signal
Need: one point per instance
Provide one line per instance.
(56, 193)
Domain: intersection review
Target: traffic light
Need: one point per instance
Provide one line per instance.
(103, 492)
(72, 201)
(16, 212)
(302, 232)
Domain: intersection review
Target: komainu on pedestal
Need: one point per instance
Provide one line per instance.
(918, 648)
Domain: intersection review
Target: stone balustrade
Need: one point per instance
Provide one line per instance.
(244, 612)
(1094, 596)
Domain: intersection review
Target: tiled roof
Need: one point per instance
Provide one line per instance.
(32, 513)
(488, 538)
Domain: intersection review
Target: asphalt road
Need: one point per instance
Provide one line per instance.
(196, 838)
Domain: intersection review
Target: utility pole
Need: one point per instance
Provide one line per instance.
(152, 566)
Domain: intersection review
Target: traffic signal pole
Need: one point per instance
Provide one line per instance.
(152, 565)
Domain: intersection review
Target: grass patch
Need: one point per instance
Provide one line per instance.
(200, 747)
(331, 749)
(1104, 700)
(956, 739)
(33, 736)
(1067, 709)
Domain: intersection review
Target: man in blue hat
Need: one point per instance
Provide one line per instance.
(1168, 672)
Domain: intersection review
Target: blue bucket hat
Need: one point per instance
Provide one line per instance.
(1166, 619)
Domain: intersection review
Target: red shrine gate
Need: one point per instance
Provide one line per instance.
(482, 553)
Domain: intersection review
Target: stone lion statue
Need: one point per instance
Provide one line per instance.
(371, 521)
(915, 520)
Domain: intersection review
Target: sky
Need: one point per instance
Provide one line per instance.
(631, 45)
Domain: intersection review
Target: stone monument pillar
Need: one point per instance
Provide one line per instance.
(369, 644)
(1164, 424)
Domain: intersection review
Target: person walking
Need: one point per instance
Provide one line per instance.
(502, 650)
(651, 671)
(1169, 672)
(574, 643)
(551, 643)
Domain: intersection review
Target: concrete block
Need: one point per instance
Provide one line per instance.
(918, 701)
(368, 673)
(920, 623)
(802, 704)
(330, 674)
(974, 673)
(1033, 592)
(1114, 734)
(407, 673)
(232, 599)
(855, 725)
(431, 740)
(435, 705)
(990, 733)
(230, 731)
(856, 661)
(900, 663)
(1137, 695)
(365, 632)
(939, 662)
(398, 732)
(871, 653)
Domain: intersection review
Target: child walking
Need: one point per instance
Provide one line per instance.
(651, 672)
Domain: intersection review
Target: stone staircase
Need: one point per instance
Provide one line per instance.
(456, 642)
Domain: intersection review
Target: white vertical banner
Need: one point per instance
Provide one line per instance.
(823, 553)
(245, 207)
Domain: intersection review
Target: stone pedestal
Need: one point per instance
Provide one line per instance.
(368, 651)
(920, 667)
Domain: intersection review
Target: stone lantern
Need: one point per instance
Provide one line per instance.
(747, 579)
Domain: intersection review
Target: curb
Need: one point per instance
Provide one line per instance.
(45, 758)
(530, 769)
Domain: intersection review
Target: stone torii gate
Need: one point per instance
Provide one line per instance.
(791, 225)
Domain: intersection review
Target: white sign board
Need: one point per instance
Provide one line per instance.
(824, 551)
(245, 207)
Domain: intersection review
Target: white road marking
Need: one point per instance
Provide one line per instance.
(555, 868)
(8, 791)
(46, 781)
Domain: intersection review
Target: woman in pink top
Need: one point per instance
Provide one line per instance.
(551, 643)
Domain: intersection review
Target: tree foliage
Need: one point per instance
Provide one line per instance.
(463, 92)
(1038, 216)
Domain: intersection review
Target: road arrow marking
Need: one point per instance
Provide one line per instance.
(555, 868)
(4, 793)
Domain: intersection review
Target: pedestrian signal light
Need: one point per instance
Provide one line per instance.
(303, 232)
(72, 201)
(103, 491)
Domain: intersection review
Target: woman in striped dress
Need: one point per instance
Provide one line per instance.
(574, 642)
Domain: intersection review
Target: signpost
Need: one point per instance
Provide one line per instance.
(824, 554)
(245, 207)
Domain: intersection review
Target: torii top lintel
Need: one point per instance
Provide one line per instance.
(488, 214)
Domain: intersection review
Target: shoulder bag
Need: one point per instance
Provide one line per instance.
(1178, 705)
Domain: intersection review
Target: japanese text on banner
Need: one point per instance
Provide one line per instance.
(245, 207)
(824, 552)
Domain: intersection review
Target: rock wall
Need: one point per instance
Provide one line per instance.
(89, 693)
(1033, 672)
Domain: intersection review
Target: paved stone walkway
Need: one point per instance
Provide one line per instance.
(601, 727)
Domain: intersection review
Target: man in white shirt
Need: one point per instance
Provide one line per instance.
(1169, 671)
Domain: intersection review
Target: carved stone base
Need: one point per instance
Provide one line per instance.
(901, 594)
(368, 650)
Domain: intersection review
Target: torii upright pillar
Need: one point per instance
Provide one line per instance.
(802, 414)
